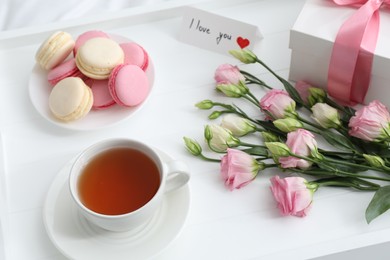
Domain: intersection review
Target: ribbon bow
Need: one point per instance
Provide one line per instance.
(353, 52)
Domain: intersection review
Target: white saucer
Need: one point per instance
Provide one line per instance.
(39, 91)
(78, 239)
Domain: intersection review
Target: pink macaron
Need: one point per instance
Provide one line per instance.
(135, 54)
(128, 85)
(66, 69)
(82, 38)
(101, 95)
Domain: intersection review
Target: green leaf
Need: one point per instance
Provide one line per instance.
(384, 154)
(356, 183)
(340, 155)
(342, 167)
(260, 151)
(338, 141)
(348, 113)
(292, 92)
(380, 149)
(314, 171)
(379, 204)
(268, 125)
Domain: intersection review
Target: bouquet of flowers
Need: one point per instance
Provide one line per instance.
(293, 118)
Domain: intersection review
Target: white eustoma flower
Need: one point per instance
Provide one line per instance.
(239, 126)
(219, 138)
(325, 115)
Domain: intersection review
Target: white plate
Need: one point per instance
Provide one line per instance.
(78, 239)
(39, 91)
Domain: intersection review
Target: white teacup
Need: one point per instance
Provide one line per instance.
(171, 175)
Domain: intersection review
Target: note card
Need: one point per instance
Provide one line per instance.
(217, 33)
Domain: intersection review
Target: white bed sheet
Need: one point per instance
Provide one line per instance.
(15, 14)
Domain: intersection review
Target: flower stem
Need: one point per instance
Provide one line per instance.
(350, 155)
(229, 107)
(287, 86)
(270, 70)
(252, 100)
(367, 167)
(336, 172)
(349, 182)
(251, 145)
(270, 165)
(260, 130)
(209, 159)
(253, 79)
(310, 123)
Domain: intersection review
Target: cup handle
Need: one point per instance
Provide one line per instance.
(178, 175)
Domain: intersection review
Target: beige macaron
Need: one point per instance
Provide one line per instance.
(54, 50)
(70, 99)
(98, 56)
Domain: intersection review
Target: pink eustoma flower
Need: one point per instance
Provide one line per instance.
(278, 104)
(371, 122)
(239, 168)
(309, 94)
(303, 90)
(230, 74)
(294, 195)
(300, 142)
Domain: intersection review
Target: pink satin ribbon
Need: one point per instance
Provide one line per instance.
(353, 52)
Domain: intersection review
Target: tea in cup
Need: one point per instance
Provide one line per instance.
(118, 184)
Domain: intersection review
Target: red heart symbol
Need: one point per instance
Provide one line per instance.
(242, 42)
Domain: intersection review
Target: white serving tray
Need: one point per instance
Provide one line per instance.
(243, 224)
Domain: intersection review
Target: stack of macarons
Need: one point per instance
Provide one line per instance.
(92, 72)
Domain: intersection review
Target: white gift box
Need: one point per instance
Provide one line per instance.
(311, 42)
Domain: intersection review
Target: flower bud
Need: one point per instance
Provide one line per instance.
(205, 104)
(269, 137)
(375, 161)
(325, 115)
(312, 186)
(278, 149)
(243, 88)
(239, 126)
(228, 73)
(302, 87)
(192, 146)
(314, 153)
(287, 124)
(219, 138)
(309, 94)
(278, 104)
(230, 90)
(316, 95)
(244, 55)
(215, 115)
